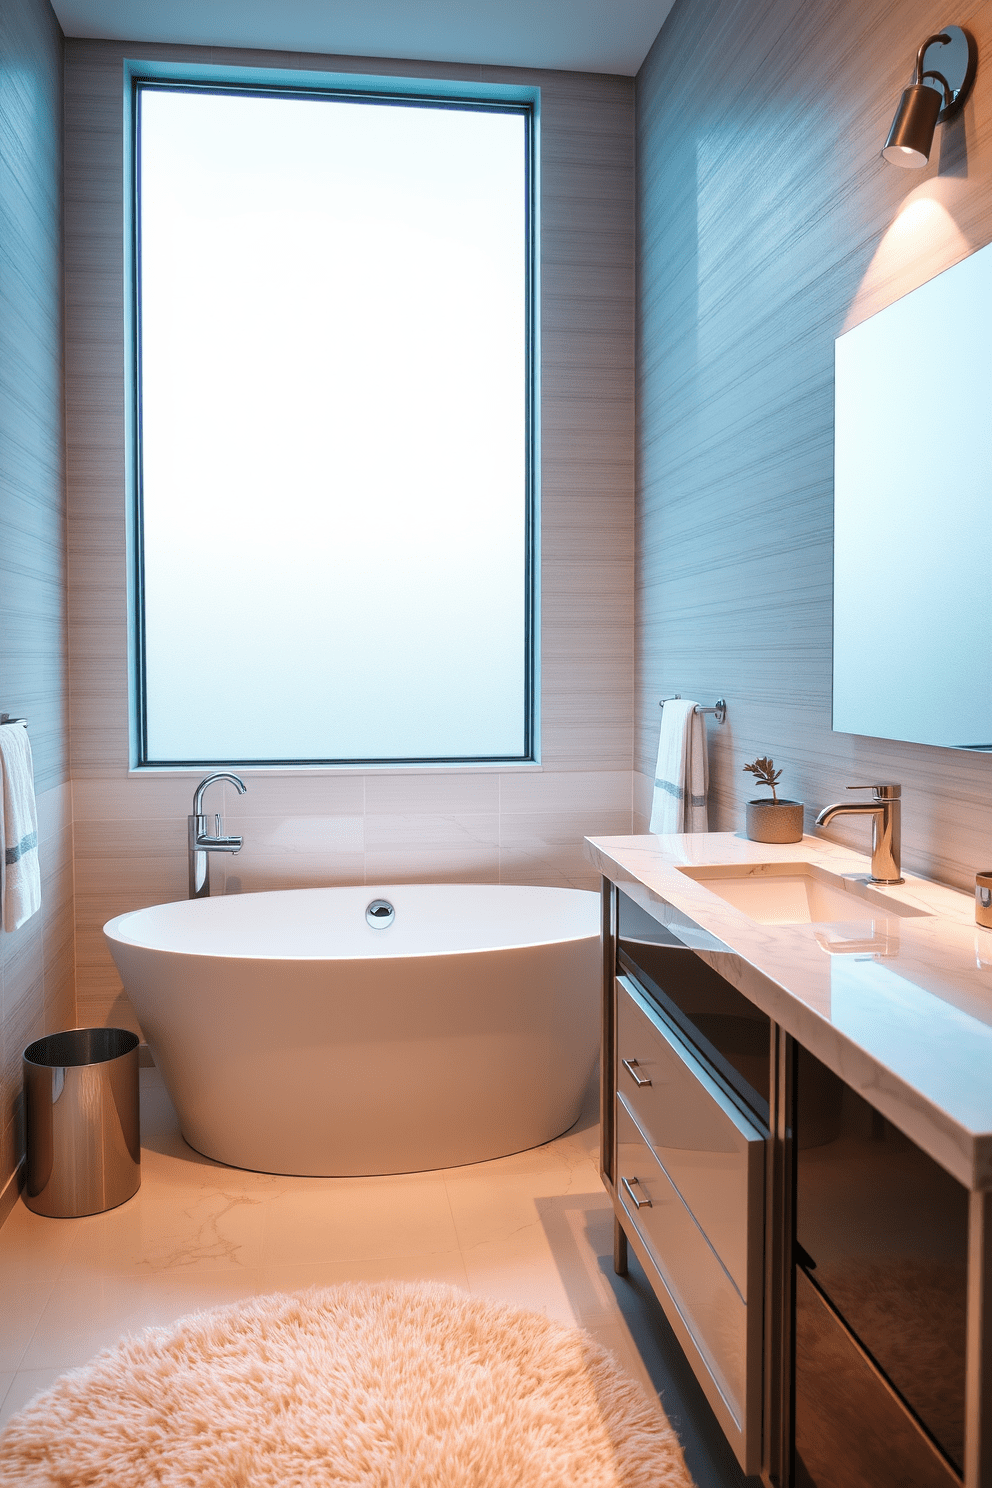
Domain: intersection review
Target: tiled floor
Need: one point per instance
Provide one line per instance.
(535, 1229)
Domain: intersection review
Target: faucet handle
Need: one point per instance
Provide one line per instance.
(888, 792)
(217, 824)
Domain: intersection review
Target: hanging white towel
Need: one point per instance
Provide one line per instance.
(20, 874)
(681, 778)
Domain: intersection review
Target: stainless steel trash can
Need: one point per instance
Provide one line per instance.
(81, 1119)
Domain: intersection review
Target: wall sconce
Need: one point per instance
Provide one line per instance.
(923, 107)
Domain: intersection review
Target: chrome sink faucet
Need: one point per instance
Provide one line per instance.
(200, 841)
(885, 810)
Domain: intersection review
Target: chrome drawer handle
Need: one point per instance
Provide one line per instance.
(638, 1203)
(629, 1066)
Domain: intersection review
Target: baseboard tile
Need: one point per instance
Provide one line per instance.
(11, 1191)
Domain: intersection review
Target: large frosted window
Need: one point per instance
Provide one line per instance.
(334, 428)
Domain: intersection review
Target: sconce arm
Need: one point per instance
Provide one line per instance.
(938, 36)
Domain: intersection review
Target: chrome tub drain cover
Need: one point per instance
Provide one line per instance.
(380, 914)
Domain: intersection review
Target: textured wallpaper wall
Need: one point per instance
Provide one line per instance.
(36, 989)
(767, 225)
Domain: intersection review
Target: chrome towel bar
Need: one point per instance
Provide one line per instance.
(720, 710)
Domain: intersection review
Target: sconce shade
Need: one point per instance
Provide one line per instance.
(911, 135)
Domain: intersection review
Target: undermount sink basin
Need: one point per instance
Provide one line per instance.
(798, 894)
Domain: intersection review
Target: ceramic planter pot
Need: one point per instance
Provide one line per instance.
(775, 821)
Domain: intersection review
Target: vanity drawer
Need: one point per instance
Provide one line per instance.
(706, 1298)
(708, 1148)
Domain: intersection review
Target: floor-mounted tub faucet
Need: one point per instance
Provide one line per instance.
(201, 844)
(885, 810)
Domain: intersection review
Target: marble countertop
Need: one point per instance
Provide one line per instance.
(899, 1008)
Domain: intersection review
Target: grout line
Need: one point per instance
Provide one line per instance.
(454, 1223)
(44, 1306)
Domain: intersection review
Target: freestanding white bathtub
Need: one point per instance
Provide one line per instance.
(295, 1037)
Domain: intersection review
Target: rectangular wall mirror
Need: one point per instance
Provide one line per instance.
(913, 516)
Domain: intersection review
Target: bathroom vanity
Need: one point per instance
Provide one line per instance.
(797, 1140)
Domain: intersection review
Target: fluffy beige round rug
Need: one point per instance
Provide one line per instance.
(386, 1386)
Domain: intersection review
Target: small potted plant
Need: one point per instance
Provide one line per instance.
(774, 820)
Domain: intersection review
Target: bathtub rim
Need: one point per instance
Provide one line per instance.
(113, 928)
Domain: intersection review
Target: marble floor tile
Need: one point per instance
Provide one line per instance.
(544, 1251)
(584, 1136)
(197, 1229)
(22, 1307)
(209, 1289)
(170, 1166)
(564, 1152)
(521, 1270)
(355, 1219)
(534, 1229)
(579, 1230)
(33, 1248)
(495, 1200)
(442, 1266)
(87, 1312)
(615, 1337)
(24, 1386)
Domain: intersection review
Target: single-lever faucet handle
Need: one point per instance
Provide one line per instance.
(217, 828)
(889, 792)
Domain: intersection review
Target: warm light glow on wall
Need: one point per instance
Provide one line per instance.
(923, 240)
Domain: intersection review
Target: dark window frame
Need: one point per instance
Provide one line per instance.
(527, 109)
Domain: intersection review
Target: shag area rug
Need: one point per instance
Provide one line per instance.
(369, 1386)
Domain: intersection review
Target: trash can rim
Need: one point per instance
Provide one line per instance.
(34, 1053)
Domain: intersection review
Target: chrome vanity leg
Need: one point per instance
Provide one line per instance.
(778, 1448)
(607, 1050)
(619, 1248)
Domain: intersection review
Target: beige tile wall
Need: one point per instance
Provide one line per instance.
(495, 826)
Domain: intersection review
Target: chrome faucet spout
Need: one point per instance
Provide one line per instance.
(220, 775)
(845, 808)
(885, 810)
(199, 841)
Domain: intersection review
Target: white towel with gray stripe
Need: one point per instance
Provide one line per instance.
(20, 873)
(681, 777)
